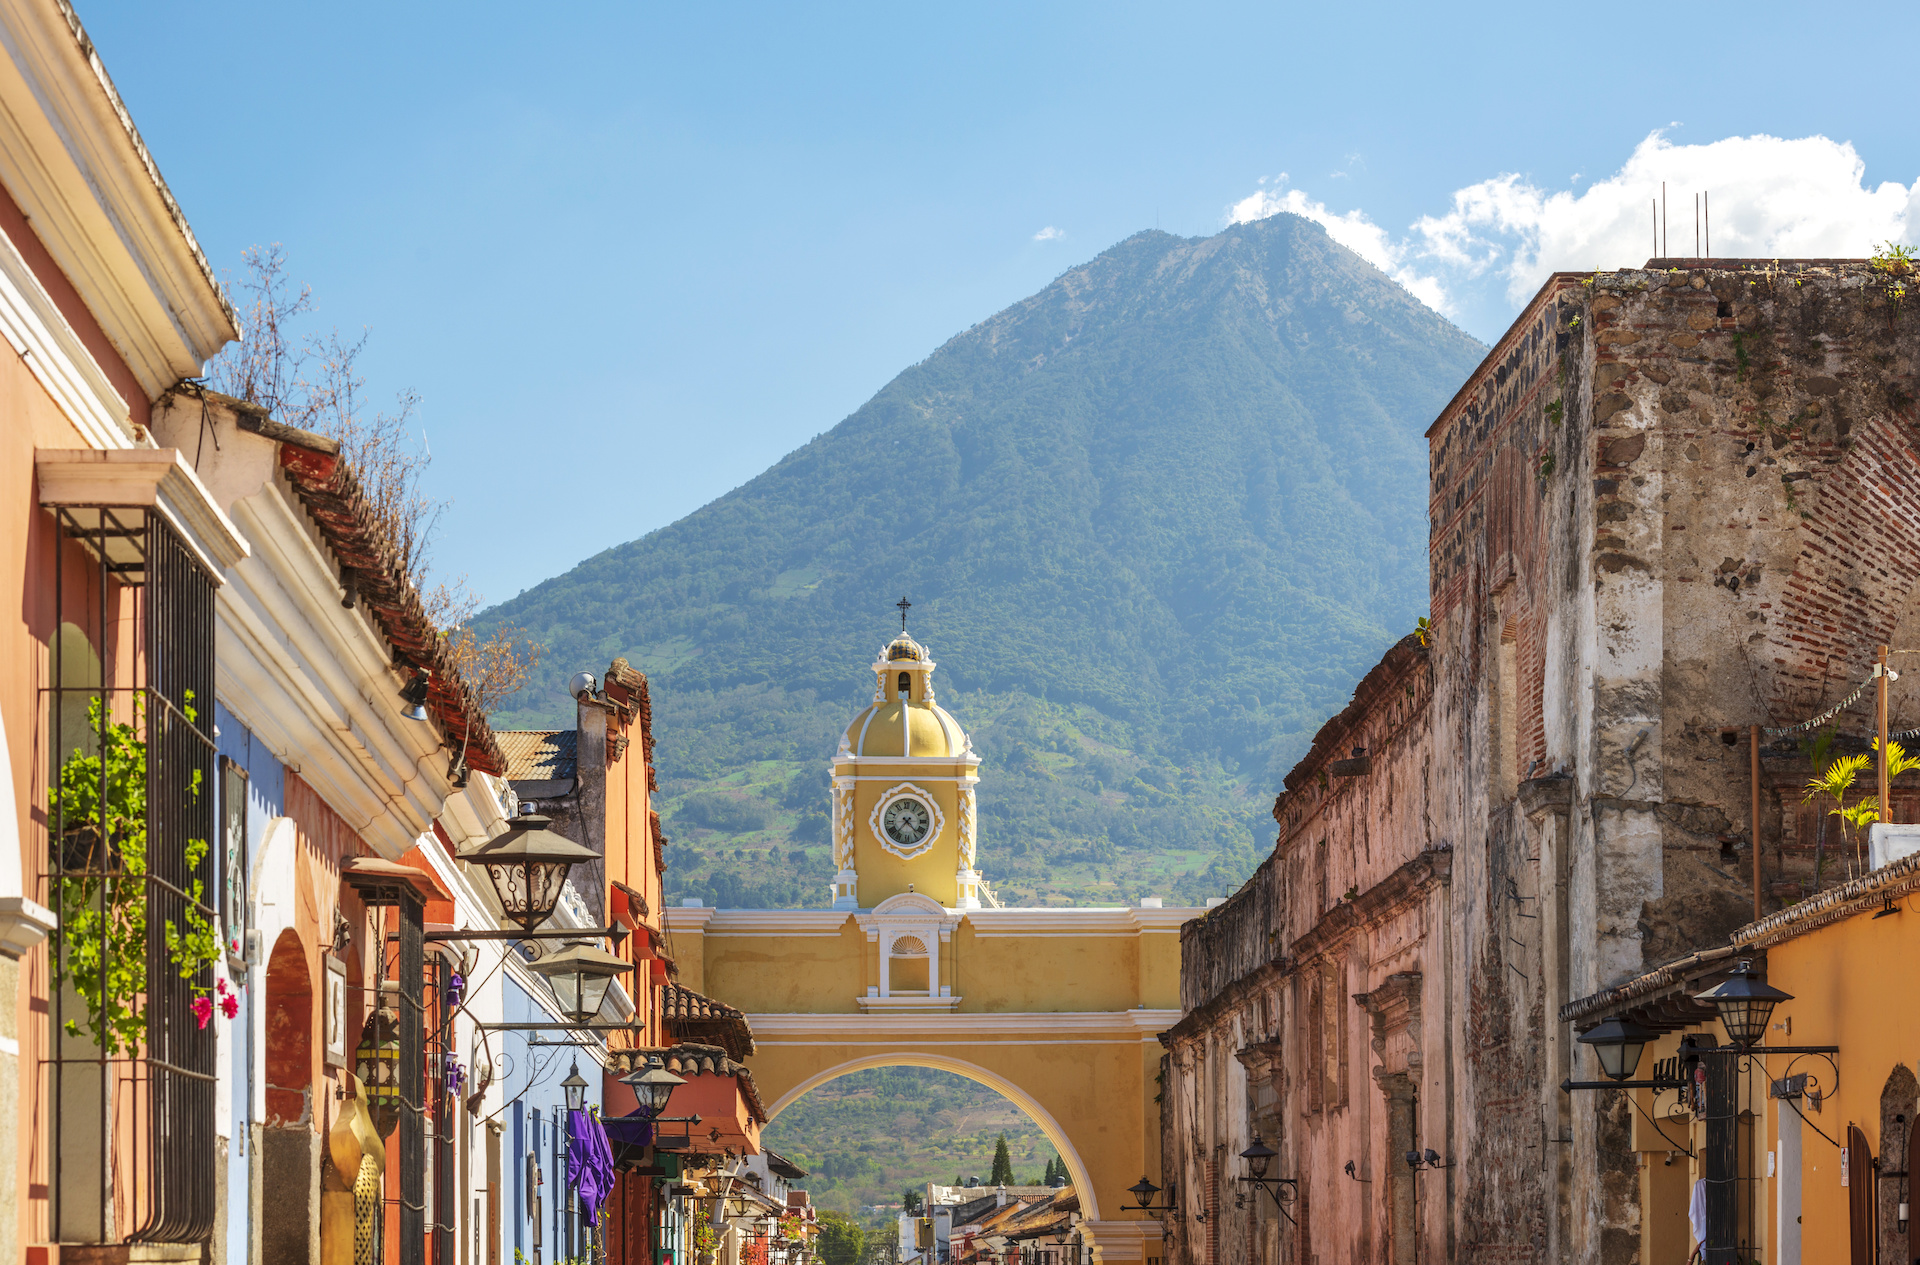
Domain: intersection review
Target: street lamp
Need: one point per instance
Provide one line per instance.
(377, 1064)
(576, 1087)
(1617, 1043)
(1258, 1157)
(414, 694)
(1143, 1192)
(528, 866)
(653, 1086)
(1745, 1002)
(580, 976)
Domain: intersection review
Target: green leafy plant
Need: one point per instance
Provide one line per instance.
(1556, 411)
(101, 802)
(1898, 761)
(1423, 628)
(1836, 781)
(1891, 257)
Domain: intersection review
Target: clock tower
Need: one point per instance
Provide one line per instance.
(903, 792)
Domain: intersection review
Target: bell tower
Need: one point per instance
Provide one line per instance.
(903, 791)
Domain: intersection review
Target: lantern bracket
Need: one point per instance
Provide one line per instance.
(616, 933)
(1750, 1051)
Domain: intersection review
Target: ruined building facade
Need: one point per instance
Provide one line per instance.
(1673, 503)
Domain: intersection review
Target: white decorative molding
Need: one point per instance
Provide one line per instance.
(145, 478)
(843, 823)
(79, 171)
(1079, 921)
(906, 790)
(1139, 1026)
(763, 922)
(692, 920)
(966, 826)
(23, 924)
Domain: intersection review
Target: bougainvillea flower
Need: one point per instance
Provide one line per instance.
(202, 1010)
(229, 1006)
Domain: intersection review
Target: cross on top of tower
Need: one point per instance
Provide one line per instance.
(903, 604)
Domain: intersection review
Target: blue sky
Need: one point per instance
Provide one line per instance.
(631, 255)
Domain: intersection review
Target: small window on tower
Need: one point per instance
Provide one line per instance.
(906, 685)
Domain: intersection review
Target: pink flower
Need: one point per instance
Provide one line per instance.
(202, 1010)
(220, 986)
(229, 1006)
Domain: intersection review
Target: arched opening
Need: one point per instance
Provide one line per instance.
(289, 1225)
(904, 687)
(1898, 1100)
(1041, 1118)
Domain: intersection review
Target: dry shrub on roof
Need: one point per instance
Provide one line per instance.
(312, 381)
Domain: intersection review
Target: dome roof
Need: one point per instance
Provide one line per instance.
(895, 728)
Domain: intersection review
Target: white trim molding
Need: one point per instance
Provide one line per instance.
(78, 169)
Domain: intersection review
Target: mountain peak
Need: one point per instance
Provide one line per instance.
(1155, 520)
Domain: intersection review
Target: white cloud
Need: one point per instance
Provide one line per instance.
(1353, 230)
(1768, 198)
(1049, 234)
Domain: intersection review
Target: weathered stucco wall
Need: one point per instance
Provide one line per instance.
(1672, 503)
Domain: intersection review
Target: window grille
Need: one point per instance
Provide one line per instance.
(131, 865)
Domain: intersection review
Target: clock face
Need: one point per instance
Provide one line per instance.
(907, 821)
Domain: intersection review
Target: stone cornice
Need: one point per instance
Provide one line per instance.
(1410, 881)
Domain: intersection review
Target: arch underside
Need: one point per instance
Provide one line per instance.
(1057, 1135)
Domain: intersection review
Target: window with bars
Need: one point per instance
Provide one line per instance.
(131, 874)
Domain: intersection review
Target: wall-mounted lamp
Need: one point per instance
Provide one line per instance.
(1143, 1192)
(414, 694)
(1745, 1002)
(1354, 1175)
(1259, 1158)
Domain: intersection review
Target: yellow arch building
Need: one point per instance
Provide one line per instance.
(1058, 1009)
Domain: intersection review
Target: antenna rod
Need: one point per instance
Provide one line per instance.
(1696, 226)
(1663, 219)
(1706, 212)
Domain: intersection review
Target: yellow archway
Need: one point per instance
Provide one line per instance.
(1058, 1009)
(1062, 1143)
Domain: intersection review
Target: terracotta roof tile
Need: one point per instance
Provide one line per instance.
(538, 755)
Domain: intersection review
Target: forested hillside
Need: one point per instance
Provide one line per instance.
(1155, 521)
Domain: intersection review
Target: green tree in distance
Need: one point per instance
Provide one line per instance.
(842, 1241)
(1002, 1165)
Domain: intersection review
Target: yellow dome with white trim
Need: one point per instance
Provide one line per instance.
(904, 721)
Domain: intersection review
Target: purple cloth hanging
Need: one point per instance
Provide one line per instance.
(589, 1162)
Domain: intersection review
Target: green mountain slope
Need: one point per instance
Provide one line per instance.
(869, 1135)
(1155, 521)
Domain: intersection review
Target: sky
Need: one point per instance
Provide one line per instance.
(629, 255)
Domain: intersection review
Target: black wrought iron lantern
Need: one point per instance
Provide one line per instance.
(1259, 1157)
(528, 868)
(576, 1088)
(1617, 1043)
(653, 1086)
(580, 976)
(1745, 1002)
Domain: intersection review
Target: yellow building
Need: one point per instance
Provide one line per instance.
(1828, 1178)
(913, 964)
